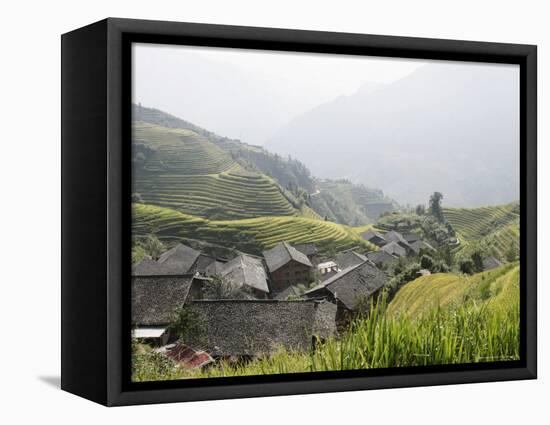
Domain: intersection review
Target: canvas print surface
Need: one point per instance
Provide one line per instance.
(297, 212)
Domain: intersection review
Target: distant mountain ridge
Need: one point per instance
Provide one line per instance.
(445, 127)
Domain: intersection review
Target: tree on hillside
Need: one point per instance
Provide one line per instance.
(435, 206)
(426, 262)
(511, 253)
(477, 260)
(466, 266)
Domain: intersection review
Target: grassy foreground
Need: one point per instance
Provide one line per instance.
(482, 327)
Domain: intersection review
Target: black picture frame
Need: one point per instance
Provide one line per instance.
(96, 87)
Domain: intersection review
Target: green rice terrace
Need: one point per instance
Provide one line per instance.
(182, 170)
(496, 227)
(250, 235)
(466, 320)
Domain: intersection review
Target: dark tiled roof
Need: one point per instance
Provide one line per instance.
(381, 257)
(214, 268)
(394, 236)
(411, 237)
(394, 248)
(491, 263)
(178, 260)
(147, 267)
(154, 299)
(281, 254)
(372, 234)
(260, 327)
(349, 258)
(421, 245)
(353, 282)
(202, 263)
(307, 249)
(246, 270)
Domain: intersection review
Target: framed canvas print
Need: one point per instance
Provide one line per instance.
(252, 212)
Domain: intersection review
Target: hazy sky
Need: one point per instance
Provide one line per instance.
(249, 94)
(432, 125)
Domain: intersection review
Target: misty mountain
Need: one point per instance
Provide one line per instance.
(448, 127)
(226, 99)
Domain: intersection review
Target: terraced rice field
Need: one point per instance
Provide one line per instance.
(249, 235)
(498, 288)
(495, 226)
(186, 172)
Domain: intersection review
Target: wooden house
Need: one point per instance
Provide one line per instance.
(287, 266)
(351, 288)
(180, 259)
(246, 271)
(374, 237)
(382, 259)
(351, 258)
(155, 299)
(398, 238)
(395, 249)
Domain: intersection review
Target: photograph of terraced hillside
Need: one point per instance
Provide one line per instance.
(298, 212)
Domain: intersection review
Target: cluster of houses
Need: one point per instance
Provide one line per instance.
(281, 308)
(396, 244)
(289, 297)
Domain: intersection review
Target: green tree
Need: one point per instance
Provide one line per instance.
(187, 323)
(446, 255)
(420, 209)
(466, 266)
(153, 246)
(477, 260)
(511, 253)
(435, 206)
(426, 262)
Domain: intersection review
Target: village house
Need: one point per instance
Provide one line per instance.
(179, 260)
(245, 270)
(327, 269)
(215, 268)
(395, 249)
(374, 237)
(236, 329)
(287, 266)
(349, 258)
(381, 258)
(202, 263)
(350, 289)
(393, 236)
(154, 301)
